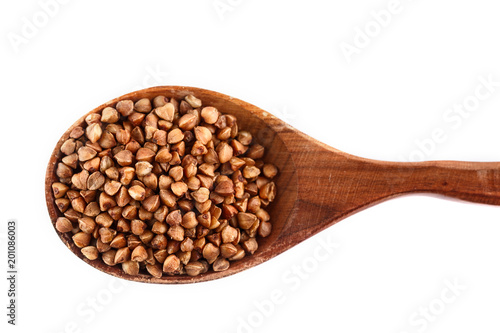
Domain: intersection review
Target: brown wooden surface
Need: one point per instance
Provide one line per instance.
(317, 185)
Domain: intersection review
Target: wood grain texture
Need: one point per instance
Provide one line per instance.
(317, 185)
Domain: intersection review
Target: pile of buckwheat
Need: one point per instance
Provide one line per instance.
(163, 186)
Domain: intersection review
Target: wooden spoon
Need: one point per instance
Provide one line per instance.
(317, 185)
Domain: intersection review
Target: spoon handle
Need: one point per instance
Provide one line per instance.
(471, 181)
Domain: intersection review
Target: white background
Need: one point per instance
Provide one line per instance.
(392, 260)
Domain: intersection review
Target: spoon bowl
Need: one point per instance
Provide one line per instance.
(317, 185)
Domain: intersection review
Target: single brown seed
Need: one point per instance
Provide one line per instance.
(107, 235)
(145, 154)
(198, 149)
(124, 157)
(109, 257)
(112, 173)
(139, 254)
(188, 121)
(63, 225)
(104, 220)
(171, 264)
(176, 232)
(250, 245)
(227, 250)
(92, 165)
(81, 239)
(112, 187)
(175, 136)
(261, 181)
(151, 120)
(224, 151)
(220, 265)
(122, 255)
(166, 112)
(255, 152)
(154, 270)
(94, 132)
(125, 107)
(224, 134)
(250, 172)
(102, 247)
(92, 209)
(264, 229)
(138, 227)
(201, 195)
(161, 255)
(176, 173)
(137, 192)
(179, 188)
(187, 245)
(225, 188)
(107, 140)
(131, 267)
(59, 190)
(93, 118)
(245, 138)
(151, 181)
(118, 241)
(143, 105)
(76, 132)
(68, 147)
(210, 252)
(262, 215)
(175, 158)
(211, 156)
(123, 136)
(229, 234)
(159, 242)
(63, 171)
(123, 225)
(72, 215)
(194, 268)
(269, 170)
(122, 197)
(71, 160)
(209, 114)
(79, 180)
(95, 181)
(168, 198)
(159, 101)
(152, 203)
(163, 156)
(143, 168)
(193, 101)
(268, 191)
(110, 115)
(62, 204)
(86, 153)
(215, 238)
(115, 212)
(86, 224)
(193, 183)
(106, 202)
(189, 220)
(149, 131)
(90, 252)
(126, 175)
(246, 220)
(78, 204)
(136, 118)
